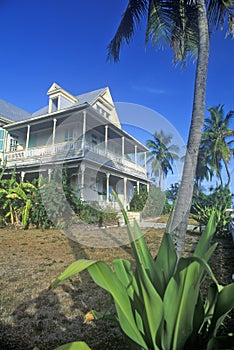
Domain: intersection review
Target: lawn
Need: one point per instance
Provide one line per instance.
(30, 315)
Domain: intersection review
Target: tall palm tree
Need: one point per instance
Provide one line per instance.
(216, 141)
(162, 155)
(185, 25)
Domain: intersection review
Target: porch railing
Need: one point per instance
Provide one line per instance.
(117, 159)
(69, 150)
(63, 150)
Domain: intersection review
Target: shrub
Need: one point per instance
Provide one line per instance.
(204, 204)
(139, 200)
(155, 202)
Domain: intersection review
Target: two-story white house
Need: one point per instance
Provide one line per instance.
(83, 132)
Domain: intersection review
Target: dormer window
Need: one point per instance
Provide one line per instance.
(59, 98)
(54, 103)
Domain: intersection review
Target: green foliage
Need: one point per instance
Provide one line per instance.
(72, 346)
(159, 304)
(172, 192)
(47, 203)
(138, 201)
(16, 201)
(203, 205)
(155, 202)
(94, 214)
(39, 216)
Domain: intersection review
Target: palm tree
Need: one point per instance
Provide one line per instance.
(215, 141)
(162, 155)
(185, 25)
(203, 170)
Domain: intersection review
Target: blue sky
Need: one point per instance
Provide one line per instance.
(62, 41)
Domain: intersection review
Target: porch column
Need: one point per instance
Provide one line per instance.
(22, 175)
(135, 158)
(54, 130)
(125, 191)
(145, 161)
(84, 130)
(27, 138)
(122, 148)
(147, 186)
(49, 174)
(138, 187)
(82, 168)
(106, 138)
(107, 187)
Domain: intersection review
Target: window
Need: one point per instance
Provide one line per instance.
(2, 136)
(54, 104)
(94, 139)
(102, 111)
(13, 145)
(68, 135)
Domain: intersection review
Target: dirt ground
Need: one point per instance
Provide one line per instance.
(30, 315)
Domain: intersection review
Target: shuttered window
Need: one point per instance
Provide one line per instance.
(2, 137)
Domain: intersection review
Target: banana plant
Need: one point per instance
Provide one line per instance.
(159, 304)
(17, 202)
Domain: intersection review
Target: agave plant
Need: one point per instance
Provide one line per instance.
(159, 304)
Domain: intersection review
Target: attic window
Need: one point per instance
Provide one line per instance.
(54, 106)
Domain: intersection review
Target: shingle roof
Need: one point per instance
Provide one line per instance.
(88, 97)
(11, 112)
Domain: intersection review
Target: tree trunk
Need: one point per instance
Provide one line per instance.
(228, 173)
(183, 203)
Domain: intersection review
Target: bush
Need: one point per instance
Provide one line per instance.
(155, 202)
(204, 204)
(94, 214)
(139, 200)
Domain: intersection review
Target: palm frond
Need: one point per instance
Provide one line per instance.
(136, 9)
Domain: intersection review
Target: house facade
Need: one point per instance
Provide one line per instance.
(83, 132)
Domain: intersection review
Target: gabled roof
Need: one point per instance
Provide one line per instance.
(11, 112)
(88, 97)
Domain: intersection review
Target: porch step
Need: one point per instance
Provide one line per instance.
(131, 216)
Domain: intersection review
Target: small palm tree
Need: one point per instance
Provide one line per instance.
(162, 155)
(203, 170)
(216, 141)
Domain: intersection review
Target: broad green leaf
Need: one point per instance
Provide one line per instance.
(211, 300)
(205, 239)
(179, 302)
(139, 247)
(19, 192)
(224, 304)
(74, 346)
(103, 276)
(165, 263)
(72, 270)
(153, 308)
(143, 254)
(124, 273)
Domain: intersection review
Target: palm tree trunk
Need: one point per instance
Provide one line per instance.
(228, 173)
(183, 203)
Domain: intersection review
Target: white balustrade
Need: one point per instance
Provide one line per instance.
(65, 149)
(70, 150)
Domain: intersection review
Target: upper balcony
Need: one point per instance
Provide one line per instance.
(74, 150)
(73, 137)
